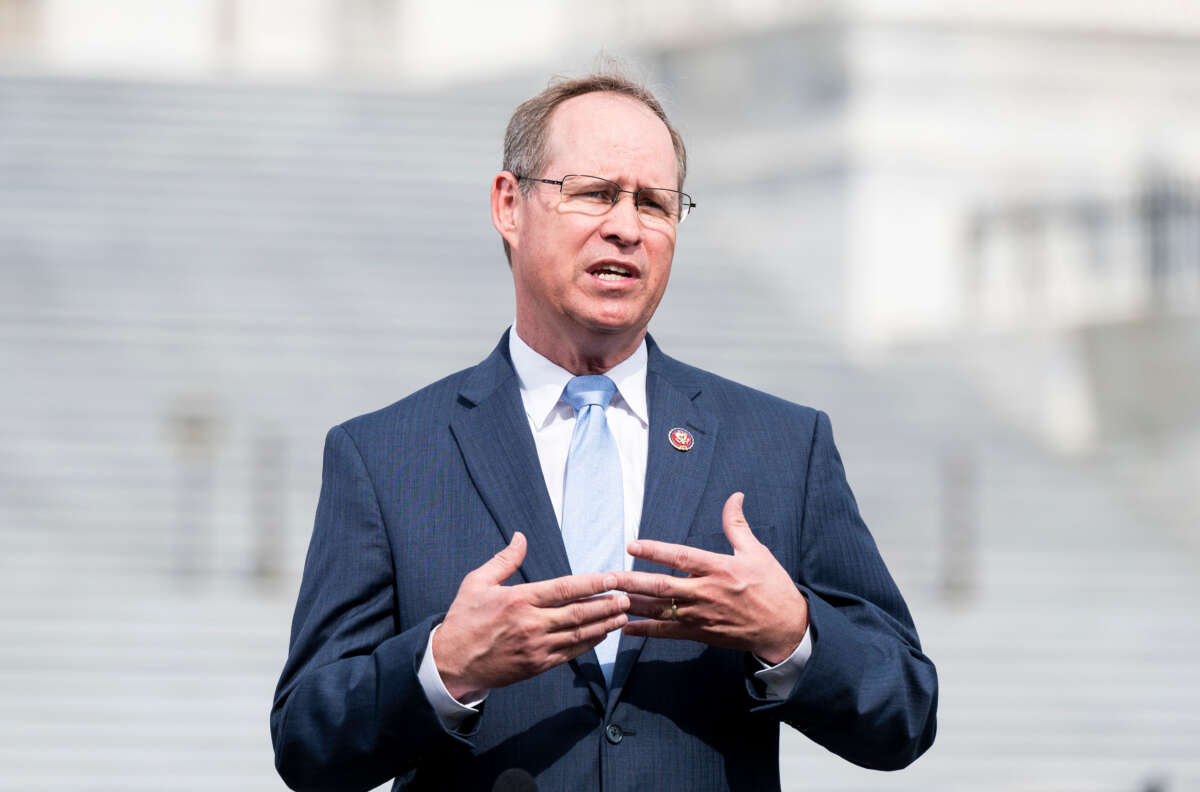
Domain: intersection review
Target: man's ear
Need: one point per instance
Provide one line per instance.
(505, 206)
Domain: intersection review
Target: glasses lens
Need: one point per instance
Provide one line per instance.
(660, 203)
(589, 193)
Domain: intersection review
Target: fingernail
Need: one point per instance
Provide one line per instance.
(623, 601)
(635, 548)
(610, 581)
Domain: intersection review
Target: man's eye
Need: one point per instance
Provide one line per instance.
(588, 190)
(653, 204)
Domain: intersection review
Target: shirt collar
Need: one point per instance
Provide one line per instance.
(542, 381)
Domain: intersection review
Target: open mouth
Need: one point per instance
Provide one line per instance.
(610, 271)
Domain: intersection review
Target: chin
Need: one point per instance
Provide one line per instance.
(612, 325)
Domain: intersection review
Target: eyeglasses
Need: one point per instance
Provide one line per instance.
(595, 196)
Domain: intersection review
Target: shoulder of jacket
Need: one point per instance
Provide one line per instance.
(425, 408)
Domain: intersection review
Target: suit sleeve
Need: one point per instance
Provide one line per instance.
(349, 712)
(867, 692)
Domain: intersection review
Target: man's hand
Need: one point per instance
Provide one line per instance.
(494, 635)
(744, 601)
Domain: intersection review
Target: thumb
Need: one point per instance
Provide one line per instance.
(501, 566)
(737, 530)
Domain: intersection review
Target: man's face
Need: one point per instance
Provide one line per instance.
(563, 261)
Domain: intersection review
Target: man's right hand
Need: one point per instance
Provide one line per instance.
(495, 635)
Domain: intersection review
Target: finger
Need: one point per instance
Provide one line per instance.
(504, 564)
(681, 557)
(584, 637)
(733, 521)
(653, 585)
(568, 588)
(657, 628)
(581, 612)
(648, 607)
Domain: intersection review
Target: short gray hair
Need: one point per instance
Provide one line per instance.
(525, 137)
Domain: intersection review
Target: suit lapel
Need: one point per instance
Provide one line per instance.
(675, 480)
(497, 446)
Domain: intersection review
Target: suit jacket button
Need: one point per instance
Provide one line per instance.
(613, 733)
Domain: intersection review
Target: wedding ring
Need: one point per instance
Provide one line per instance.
(674, 610)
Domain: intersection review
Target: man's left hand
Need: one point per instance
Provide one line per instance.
(742, 601)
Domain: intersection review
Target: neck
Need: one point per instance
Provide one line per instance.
(594, 356)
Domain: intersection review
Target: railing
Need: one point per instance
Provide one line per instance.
(1087, 260)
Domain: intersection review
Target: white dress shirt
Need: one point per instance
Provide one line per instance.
(552, 422)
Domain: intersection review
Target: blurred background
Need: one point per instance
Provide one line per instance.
(970, 232)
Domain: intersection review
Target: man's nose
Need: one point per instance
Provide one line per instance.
(621, 223)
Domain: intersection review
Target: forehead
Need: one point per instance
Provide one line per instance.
(610, 135)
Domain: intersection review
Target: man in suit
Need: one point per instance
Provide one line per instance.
(582, 558)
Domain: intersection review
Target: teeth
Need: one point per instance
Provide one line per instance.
(611, 272)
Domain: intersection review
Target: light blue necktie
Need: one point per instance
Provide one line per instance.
(593, 527)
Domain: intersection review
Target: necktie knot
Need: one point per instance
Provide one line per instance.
(588, 390)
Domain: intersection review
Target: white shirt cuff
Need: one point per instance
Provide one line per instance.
(780, 678)
(449, 710)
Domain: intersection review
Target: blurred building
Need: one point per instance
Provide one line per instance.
(972, 234)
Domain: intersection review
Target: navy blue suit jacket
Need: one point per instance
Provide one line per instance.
(418, 494)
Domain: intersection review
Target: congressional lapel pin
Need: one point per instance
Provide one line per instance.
(681, 439)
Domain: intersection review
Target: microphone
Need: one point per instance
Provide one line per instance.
(514, 779)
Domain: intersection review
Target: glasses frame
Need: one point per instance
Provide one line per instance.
(686, 204)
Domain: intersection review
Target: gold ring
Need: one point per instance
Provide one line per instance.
(674, 610)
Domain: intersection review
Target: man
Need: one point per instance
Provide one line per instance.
(582, 558)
